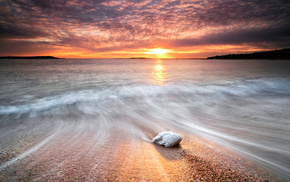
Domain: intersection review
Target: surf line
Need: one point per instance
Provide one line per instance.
(33, 149)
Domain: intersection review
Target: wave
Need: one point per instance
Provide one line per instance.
(91, 101)
(248, 115)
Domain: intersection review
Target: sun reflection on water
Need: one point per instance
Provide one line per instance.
(159, 74)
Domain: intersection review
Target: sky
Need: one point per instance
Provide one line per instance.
(142, 28)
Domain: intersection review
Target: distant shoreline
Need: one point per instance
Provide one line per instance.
(29, 57)
(272, 55)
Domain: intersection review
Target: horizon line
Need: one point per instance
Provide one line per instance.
(54, 57)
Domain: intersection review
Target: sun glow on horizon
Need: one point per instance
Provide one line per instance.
(158, 51)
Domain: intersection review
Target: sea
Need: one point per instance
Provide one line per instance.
(243, 105)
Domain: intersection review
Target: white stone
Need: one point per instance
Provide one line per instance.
(167, 139)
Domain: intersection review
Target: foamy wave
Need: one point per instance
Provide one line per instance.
(93, 101)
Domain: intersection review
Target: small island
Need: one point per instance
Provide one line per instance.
(29, 57)
(272, 55)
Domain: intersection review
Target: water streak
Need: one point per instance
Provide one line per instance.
(241, 105)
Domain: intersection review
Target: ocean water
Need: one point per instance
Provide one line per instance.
(241, 104)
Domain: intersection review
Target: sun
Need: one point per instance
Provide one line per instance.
(158, 51)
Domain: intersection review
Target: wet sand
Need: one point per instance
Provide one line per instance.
(101, 152)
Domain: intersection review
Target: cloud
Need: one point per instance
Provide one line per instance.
(18, 48)
(9, 31)
(109, 25)
(280, 37)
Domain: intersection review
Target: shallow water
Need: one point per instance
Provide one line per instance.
(241, 104)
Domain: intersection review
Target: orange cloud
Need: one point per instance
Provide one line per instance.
(125, 29)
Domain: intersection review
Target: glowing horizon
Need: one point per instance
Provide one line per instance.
(124, 29)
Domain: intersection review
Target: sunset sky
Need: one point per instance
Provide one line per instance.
(142, 28)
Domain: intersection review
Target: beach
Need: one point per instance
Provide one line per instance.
(86, 155)
(92, 90)
(94, 120)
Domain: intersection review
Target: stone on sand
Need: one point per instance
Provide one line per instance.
(167, 139)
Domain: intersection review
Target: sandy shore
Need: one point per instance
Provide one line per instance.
(81, 154)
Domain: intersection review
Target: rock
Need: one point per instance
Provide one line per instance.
(167, 139)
